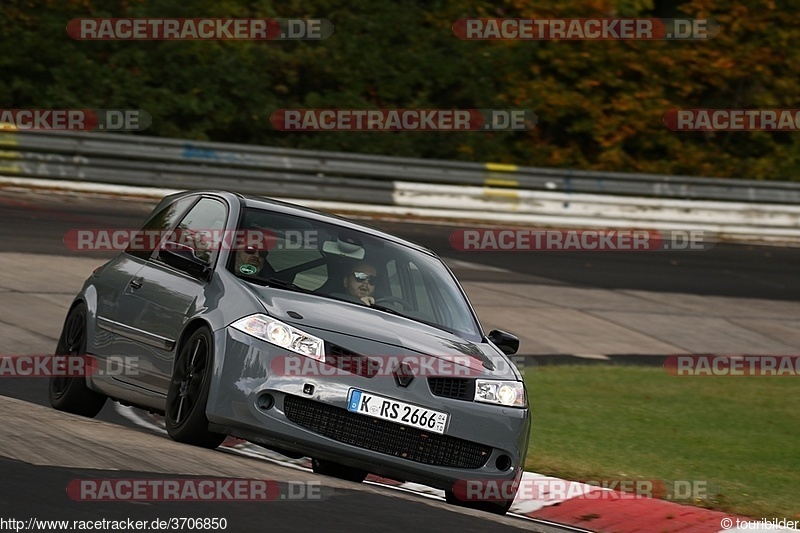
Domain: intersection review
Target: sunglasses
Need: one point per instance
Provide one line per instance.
(362, 276)
(250, 250)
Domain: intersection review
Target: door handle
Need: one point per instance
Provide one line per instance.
(136, 283)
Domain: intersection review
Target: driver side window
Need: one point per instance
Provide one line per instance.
(153, 230)
(202, 228)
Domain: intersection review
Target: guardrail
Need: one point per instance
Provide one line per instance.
(149, 161)
(424, 186)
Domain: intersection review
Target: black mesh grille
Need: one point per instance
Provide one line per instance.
(459, 388)
(385, 437)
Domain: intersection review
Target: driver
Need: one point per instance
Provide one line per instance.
(360, 282)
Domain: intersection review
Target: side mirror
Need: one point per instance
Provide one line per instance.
(183, 258)
(508, 343)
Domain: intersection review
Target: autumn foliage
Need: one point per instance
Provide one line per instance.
(600, 104)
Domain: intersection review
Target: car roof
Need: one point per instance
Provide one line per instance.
(271, 204)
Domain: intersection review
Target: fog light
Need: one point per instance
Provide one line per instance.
(265, 402)
(503, 463)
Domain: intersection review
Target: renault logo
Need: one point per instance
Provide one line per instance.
(403, 374)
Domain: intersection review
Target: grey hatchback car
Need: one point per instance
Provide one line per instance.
(306, 333)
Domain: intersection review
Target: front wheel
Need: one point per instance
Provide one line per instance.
(188, 393)
(70, 394)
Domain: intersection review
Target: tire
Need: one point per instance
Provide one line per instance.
(70, 394)
(500, 507)
(185, 413)
(328, 468)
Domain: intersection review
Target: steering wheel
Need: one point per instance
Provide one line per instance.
(394, 299)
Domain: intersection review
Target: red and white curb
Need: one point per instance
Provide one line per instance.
(541, 497)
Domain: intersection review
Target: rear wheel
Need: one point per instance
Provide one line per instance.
(328, 468)
(188, 393)
(500, 507)
(70, 394)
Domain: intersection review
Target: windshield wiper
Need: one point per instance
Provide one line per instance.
(275, 282)
(390, 310)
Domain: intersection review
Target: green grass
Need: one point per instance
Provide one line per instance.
(740, 435)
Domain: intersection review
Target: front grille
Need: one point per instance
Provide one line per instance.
(385, 437)
(458, 388)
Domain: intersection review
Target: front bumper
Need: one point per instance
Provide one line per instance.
(308, 414)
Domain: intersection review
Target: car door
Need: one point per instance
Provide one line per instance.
(114, 279)
(161, 296)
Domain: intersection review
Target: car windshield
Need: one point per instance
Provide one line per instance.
(332, 261)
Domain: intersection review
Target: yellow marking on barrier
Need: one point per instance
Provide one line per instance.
(493, 182)
(8, 139)
(501, 193)
(500, 167)
(6, 154)
(9, 168)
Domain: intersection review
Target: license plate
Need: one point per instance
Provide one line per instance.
(366, 403)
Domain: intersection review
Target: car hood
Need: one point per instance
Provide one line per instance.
(317, 314)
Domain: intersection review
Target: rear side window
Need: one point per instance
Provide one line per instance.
(156, 227)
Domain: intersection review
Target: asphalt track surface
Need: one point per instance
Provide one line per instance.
(35, 222)
(39, 493)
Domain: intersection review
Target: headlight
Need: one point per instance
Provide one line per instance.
(508, 393)
(276, 332)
